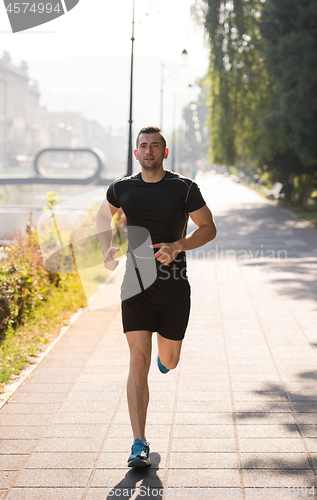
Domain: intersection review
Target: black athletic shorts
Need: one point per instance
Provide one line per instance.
(162, 308)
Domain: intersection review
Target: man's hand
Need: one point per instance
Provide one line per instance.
(167, 253)
(109, 260)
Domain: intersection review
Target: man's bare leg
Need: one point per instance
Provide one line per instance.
(140, 344)
(169, 351)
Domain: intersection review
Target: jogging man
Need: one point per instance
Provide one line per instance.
(159, 201)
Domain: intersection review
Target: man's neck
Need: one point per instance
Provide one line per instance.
(153, 175)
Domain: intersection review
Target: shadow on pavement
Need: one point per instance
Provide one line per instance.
(301, 396)
(265, 237)
(140, 483)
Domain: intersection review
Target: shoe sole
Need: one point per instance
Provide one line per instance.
(139, 462)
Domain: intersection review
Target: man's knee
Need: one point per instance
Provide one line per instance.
(170, 361)
(140, 362)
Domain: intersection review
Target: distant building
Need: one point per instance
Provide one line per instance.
(63, 129)
(26, 127)
(19, 112)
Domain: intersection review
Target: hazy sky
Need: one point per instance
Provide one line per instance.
(96, 35)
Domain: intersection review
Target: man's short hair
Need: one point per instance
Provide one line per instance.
(151, 130)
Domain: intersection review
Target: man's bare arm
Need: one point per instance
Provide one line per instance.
(205, 232)
(104, 232)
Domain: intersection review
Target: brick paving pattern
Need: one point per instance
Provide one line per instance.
(237, 418)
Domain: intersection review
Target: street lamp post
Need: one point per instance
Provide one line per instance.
(130, 149)
(174, 132)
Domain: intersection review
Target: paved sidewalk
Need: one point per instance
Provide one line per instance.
(237, 418)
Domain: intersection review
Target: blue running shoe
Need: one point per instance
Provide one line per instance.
(139, 454)
(161, 367)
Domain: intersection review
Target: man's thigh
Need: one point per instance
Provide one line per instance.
(140, 342)
(169, 350)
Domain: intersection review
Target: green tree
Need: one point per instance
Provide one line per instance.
(240, 86)
(289, 31)
(289, 34)
(263, 86)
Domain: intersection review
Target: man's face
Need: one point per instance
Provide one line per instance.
(150, 151)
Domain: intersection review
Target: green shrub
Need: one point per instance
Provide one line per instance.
(24, 283)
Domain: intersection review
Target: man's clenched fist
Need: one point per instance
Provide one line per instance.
(109, 260)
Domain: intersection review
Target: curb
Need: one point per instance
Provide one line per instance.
(11, 388)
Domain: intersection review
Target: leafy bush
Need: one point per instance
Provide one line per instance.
(24, 283)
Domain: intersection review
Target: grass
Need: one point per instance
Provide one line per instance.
(20, 348)
(307, 212)
(310, 217)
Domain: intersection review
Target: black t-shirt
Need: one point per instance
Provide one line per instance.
(160, 207)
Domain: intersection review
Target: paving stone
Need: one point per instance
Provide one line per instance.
(163, 397)
(204, 418)
(203, 460)
(12, 462)
(117, 477)
(206, 444)
(271, 445)
(193, 396)
(76, 431)
(308, 430)
(61, 445)
(182, 492)
(30, 478)
(220, 431)
(29, 408)
(41, 493)
(283, 493)
(152, 430)
(6, 478)
(204, 477)
(25, 420)
(305, 407)
(264, 407)
(27, 432)
(73, 406)
(204, 406)
(311, 444)
(102, 385)
(313, 457)
(42, 397)
(261, 396)
(61, 460)
(83, 418)
(267, 431)
(145, 491)
(103, 396)
(39, 388)
(16, 446)
(279, 461)
(262, 418)
(278, 478)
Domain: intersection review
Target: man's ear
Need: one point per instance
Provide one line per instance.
(136, 154)
(166, 153)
